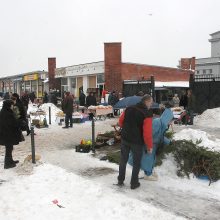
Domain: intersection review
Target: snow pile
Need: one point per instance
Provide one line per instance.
(32, 108)
(54, 109)
(31, 198)
(196, 135)
(209, 118)
(45, 108)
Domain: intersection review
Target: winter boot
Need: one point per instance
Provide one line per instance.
(134, 186)
(8, 163)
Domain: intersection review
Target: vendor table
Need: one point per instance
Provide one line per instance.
(100, 113)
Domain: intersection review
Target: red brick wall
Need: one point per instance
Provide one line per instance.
(51, 73)
(113, 79)
(116, 71)
(138, 72)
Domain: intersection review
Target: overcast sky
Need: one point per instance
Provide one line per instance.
(156, 32)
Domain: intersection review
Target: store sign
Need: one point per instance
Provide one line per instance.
(31, 77)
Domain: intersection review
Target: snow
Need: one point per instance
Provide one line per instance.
(184, 84)
(209, 118)
(81, 199)
(1, 103)
(71, 178)
(208, 141)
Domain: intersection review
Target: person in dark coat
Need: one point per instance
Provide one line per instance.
(10, 133)
(22, 113)
(113, 99)
(91, 100)
(67, 107)
(190, 106)
(183, 100)
(136, 135)
(32, 96)
(52, 97)
(45, 97)
(82, 99)
(6, 96)
(25, 100)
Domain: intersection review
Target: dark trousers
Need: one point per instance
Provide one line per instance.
(8, 154)
(137, 151)
(68, 120)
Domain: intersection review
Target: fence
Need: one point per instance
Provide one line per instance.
(206, 89)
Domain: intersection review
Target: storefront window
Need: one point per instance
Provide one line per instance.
(28, 86)
(73, 83)
(34, 86)
(40, 88)
(100, 78)
(22, 86)
(64, 81)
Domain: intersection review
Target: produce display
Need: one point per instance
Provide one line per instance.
(38, 112)
(84, 146)
(91, 107)
(177, 109)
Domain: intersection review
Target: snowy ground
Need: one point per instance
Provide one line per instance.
(84, 185)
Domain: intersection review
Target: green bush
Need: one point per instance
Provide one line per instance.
(192, 158)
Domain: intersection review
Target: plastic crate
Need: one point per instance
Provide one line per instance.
(83, 148)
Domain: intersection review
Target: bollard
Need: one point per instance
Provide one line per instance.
(32, 145)
(49, 115)
(93, 133)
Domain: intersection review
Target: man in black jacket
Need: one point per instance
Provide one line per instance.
(67, 107)
(136, 135)
(91, 100)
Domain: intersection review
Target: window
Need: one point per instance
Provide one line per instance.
(210, 71)
(100, 78)
(197, 71)
(63, 81)
(204, 71)
(73, 82)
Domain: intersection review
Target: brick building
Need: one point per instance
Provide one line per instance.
(116, 71)
(111, 73)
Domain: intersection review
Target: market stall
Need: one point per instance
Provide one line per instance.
(100, 111)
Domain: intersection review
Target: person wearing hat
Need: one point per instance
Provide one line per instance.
(10, 132)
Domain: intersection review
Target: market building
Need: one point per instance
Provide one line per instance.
(30, 82)
(112, 74)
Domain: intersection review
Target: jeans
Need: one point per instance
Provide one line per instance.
(68, 118)
(191, 117)
(137, 151)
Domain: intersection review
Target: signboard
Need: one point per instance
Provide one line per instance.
(30, 77)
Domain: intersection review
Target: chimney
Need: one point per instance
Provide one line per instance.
(113, 78)
(51, 72)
